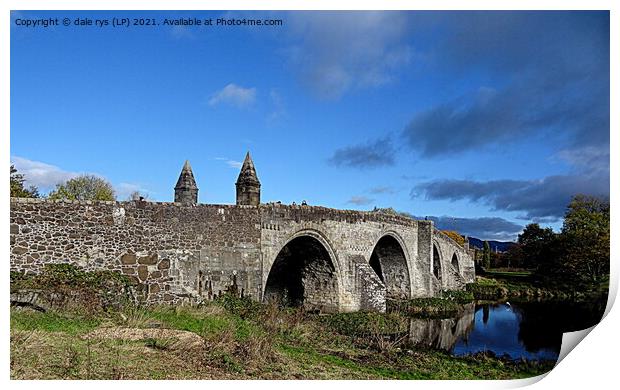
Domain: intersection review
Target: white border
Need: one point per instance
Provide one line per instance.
(590, 365)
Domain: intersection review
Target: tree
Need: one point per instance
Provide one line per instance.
(85, 187)
(495, 259)
(579, 255)
(586, 238)
(514, 256)
(455, 236)
(536, 243)
(391, 211)
(137, 195)
(17, 186)
(486, 255)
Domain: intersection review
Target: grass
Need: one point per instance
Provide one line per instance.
(520, 285)
(509, 274)
(52, 322)
(525, 285)
(214, 342)
(98, 335)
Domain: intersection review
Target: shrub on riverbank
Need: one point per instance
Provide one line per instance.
(448, 304)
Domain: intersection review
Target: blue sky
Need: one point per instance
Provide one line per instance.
(485, 120)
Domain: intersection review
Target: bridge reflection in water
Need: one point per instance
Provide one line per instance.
(441, 333)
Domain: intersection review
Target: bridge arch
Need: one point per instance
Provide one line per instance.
(389, 260)
(436, 262)
(455, 263)
(305, 273)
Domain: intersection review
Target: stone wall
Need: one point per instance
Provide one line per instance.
(175, 251)
(184, 252)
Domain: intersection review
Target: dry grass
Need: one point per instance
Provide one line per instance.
(45, 355)
(171, 339)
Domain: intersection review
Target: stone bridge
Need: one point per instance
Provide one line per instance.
(322, 258)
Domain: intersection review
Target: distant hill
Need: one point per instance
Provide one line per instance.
(499, 246)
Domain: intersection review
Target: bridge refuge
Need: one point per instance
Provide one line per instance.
(318, 257)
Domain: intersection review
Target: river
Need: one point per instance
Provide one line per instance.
(528, 330)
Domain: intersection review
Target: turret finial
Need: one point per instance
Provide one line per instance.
(248, 185)
(186, 190)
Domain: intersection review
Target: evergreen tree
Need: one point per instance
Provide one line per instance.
(486, 255)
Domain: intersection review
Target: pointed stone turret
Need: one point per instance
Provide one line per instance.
(248, 186)
(186, 190)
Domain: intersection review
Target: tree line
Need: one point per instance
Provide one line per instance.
(83, 187)
(578, 256)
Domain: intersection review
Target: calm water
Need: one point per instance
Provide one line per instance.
(530, 330)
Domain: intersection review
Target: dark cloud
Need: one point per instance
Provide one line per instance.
(541, 200)
(484, 228)
(371, 155)
(587, 159)
(360, 200)
(555, 72)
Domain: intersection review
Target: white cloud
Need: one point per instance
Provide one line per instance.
(339, 51)
(234, 164)
(46, 176)
(278, 109)
(39, 174)
(230, 163)
(234, 95)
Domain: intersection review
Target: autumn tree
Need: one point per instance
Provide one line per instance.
(17, 186)
(455, 236)
(85, 187)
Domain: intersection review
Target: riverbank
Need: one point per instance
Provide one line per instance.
(233, 339)
(495, 286)
(525, 286)
(448, 304)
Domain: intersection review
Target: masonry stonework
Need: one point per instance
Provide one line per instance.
(320, 258)
(185, 252)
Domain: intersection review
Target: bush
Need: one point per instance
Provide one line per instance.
(243, 307)
(458, 296)
(67, 285)
(365, 323)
